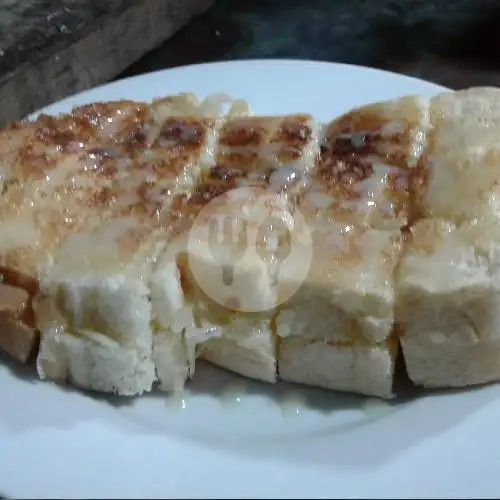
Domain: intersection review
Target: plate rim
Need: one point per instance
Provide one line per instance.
(237, 62)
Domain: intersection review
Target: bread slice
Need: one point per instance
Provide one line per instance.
(94, 311)
(233, 285)
(261, 164)
(103, 327)
(54, 176)
(337, 331)
(447, 286)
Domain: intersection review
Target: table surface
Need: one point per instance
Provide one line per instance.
(451, 43)
(50, 49)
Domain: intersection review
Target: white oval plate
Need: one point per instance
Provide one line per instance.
(232, 438)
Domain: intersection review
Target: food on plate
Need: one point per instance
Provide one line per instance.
(338, 330)
(447, 283)
(261, 164)
(137, 238)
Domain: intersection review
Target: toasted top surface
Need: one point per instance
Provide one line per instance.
(342, 193)
(189, 167)
(35, 149)
(267, 152)
(394, 130)
(151, 167)
(367, 156)
(358, 197)
(258, 161)
(71, 173)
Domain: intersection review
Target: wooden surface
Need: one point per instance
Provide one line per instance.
(50, 49)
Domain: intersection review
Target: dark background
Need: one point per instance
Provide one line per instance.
(452, 42)
(50, 49)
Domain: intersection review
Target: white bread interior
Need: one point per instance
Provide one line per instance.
(344, 314)
(246, 346)
(95, 306)
(171, 315)
(448, 304)
(367, 370)
(447, 284)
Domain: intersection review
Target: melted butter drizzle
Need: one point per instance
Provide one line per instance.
(356, 172)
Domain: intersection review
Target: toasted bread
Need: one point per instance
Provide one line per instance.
(380, 228)
(91, 186)
(337, 330)
(262, 163)
(99, 286)
(53, 180)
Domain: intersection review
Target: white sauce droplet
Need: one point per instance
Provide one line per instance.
(283, 178)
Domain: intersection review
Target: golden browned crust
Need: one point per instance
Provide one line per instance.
(18, 336)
